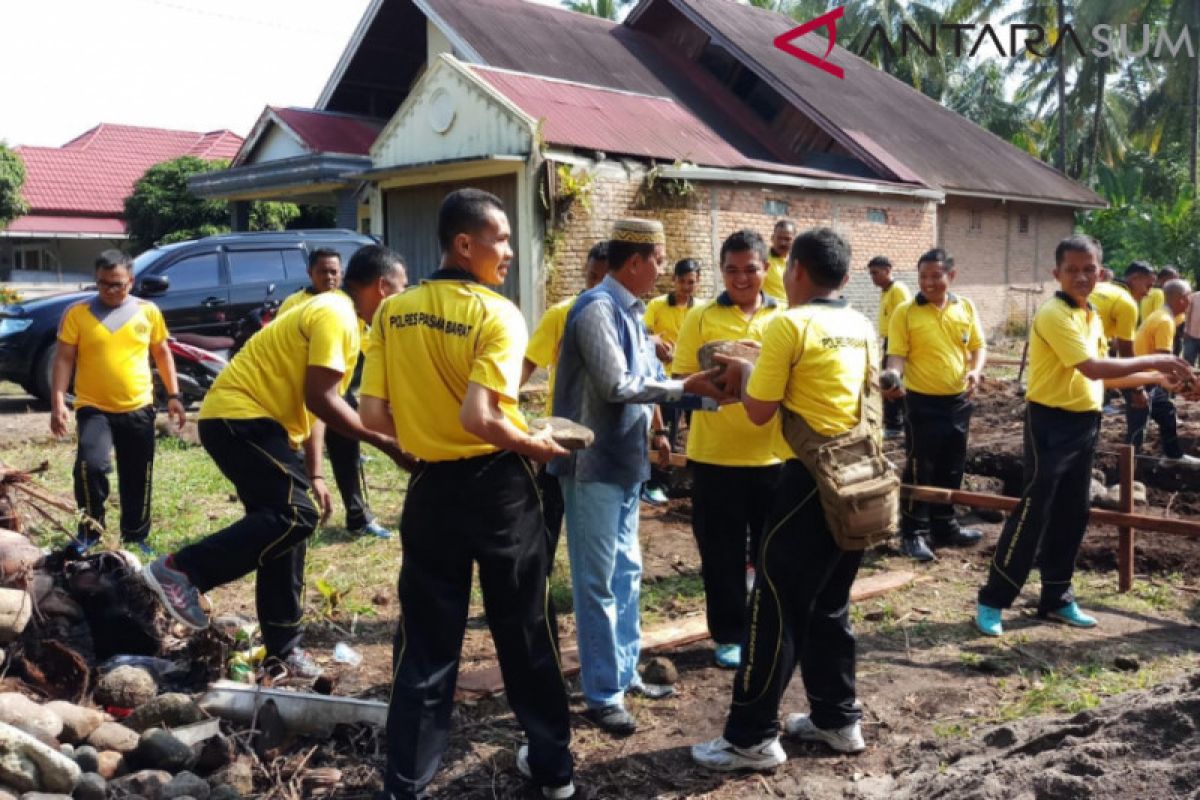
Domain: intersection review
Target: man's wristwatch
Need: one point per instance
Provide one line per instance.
(175, 396)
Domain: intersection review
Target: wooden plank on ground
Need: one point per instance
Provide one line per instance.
(487, 681)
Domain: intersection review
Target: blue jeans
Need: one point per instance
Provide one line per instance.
(1191, 349)
(606, 579)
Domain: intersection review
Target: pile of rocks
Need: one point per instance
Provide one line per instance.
(165, 748)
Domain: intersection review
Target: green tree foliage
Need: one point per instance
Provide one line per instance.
(608, 9)
(12, 178)
(163, 209)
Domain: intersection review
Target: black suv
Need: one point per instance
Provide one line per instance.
(202, 286)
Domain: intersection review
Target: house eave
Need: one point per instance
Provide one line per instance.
(301, 174)
(723, 175)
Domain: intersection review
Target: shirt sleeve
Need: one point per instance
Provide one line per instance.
(1063, 337)
(1125, 314)
(772, 371)
(374, 377)
(544, 343)
(975, 340)
(68, 328)
(898, 332)
(1164, 334)
(158, 326)
(500, 354)
(332, 338)
(605, 362)
(686, 349)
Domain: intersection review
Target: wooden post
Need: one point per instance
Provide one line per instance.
(1125, 543)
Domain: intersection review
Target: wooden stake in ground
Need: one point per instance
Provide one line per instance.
(1125, 541)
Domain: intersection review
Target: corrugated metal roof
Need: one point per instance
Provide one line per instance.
(330, 132)
(94, 172)
(38, 223)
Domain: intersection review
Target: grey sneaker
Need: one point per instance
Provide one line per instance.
(718, 754)
(844, 740)
(177, 594)
(549, 792)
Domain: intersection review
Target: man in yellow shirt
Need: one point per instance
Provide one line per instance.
(893, 294)
(1068, 370)
(665, 313)
(735, 469)
(458, 345)
(1118, 313)
(1157, 335)
(542, 351)
(814, 359)
(936, 343)
(781, 244)
(104, 341)
(345, 454)
(276, 397)
(1139, 280)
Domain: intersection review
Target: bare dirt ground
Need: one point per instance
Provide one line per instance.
(1045, 712)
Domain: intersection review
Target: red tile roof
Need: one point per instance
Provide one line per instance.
(328, 132)
(94, 172)
(57, 225)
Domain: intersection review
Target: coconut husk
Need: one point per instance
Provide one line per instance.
(725, 348)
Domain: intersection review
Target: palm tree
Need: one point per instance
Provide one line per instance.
(607, 9)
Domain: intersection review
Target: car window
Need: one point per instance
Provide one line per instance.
(255, 266)
(195, 272)
(297, 267)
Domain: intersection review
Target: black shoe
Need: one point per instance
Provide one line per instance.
(914, 546)
(652, 691)
(612, 719)
(958, 537)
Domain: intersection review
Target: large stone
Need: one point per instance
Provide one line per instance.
(126, 687)
(170, 710)
(239, 775)
(77, 722)
(660, 670)
(45, 796)
(566, 433)
(91, 787)
(222, 792)
(87, 758)
(18, 555)
(113, 736)
(21, 712)
(29, 765)
(158, 749)
(214, 753)
(5, 794)
(732, 349)
(111, 764)
(148, 783)
(186, 784)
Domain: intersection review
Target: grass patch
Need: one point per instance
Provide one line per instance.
(1078, 688)
(672, 596)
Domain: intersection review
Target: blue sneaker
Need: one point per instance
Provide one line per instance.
(372, 528)
(653, 494)
(987, 620)
(1070, 614)
(81, 544)
(728, 656)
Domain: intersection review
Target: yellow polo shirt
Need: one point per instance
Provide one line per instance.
(1152, 302)
(1117, 309)
(546, 341)
(1061, 336)
(427, 345)
(935, 343)
(773, 282)
(112, 367)
(664, 319)
(814, 360)
(892, 298)
(726, 436)
(299, 298)
(1157, 334)
(266, 377)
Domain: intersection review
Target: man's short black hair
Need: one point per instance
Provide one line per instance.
(686, 266)
(621, 252)
(464, 211)
(370, 263)
(824, 255)
(1078, 243)
(599, 251)
(879, 261)
(1139, 268)
(937, 255)
(1167, 272)
(743, 240)
(784, 223)
(113, 258)
(323, 252)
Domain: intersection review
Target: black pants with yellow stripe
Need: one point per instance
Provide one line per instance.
(935, 443)
(1059, 448)
(729, 510)
(345, 456)
(272, 483)
(799, 613)
(131, 434)
(483, 511)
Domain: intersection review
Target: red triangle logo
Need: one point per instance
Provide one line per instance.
(828, 22)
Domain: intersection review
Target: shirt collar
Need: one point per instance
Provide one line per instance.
(452, 274)
(833, 302)
(922, 300)
(723, 299)
(671, 301)
(1066, 298)
(628, 299)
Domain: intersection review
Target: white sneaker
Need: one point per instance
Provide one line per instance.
(1186, 458)
(549, 792)
(722, 756)
(844, 740)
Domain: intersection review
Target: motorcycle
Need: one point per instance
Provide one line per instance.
(199, 359)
